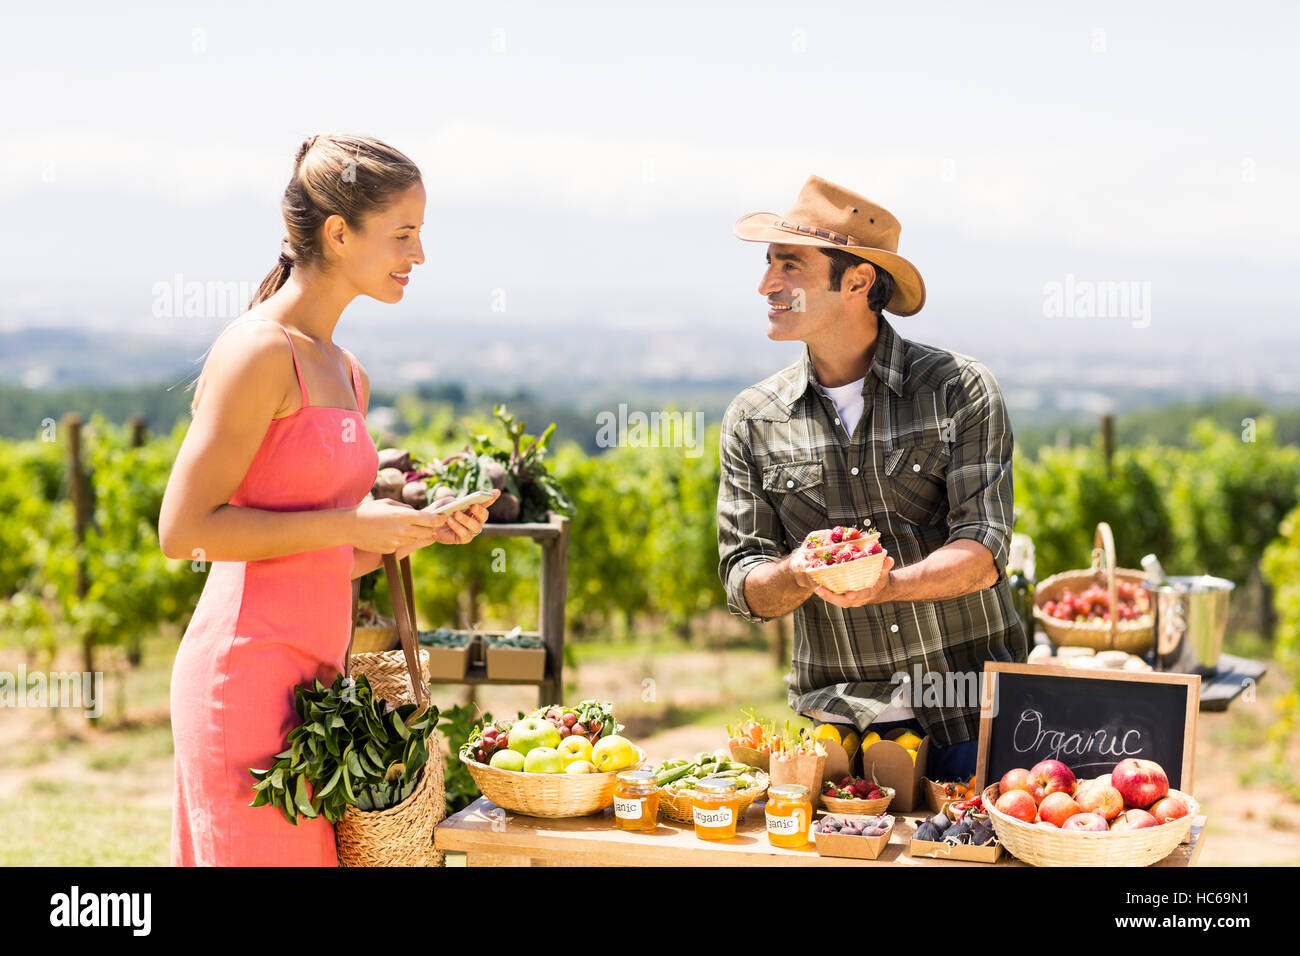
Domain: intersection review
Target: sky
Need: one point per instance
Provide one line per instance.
(589, 160)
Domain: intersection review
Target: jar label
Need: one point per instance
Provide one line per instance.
(719, 817)
(785, 826)
(627, 809)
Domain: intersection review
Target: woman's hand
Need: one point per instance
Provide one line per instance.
(385, 526)
(459, 527)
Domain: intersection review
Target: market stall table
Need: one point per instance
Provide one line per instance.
(490, 836)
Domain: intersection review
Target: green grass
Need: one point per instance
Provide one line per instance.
(70, 830)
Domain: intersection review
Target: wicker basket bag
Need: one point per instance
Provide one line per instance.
(1135, 637)
(401, 835)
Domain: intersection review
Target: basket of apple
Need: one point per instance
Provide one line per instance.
(554, 762)
(844, 559)
(1128, 817)
(1102, 607)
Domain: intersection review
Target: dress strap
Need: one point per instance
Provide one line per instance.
(302, 386)
(356, 380)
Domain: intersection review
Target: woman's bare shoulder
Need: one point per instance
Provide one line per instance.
(252, 351)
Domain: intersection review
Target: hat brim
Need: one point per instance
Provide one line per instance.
(909, 288)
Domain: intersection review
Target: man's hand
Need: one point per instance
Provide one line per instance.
(876, 594)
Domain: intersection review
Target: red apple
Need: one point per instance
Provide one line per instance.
(1169, 808)
(1018, 804)
(1017, 779)
(1140, 782)
(1057, 807)
(1050, 776)
(1100, 798)
(1086, 821)
(1133, 820)
(1104, 780)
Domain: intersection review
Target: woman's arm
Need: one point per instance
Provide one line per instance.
(243, 388)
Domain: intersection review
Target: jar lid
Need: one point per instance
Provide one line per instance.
(788, 791)
(717, 784)
(636, 776)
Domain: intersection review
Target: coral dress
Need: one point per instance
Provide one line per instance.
(261, 628)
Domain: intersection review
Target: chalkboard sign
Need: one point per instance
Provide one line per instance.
(1089, 720)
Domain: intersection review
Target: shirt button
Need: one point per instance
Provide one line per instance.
(916, 467)
(853, 471)
(789, 484)
(837, 421)
(894, 628)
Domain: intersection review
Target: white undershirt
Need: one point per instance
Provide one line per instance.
(848, 401)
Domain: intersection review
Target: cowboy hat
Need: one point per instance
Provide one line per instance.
(830, 216)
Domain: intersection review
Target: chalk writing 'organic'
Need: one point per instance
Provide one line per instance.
(1056, 742)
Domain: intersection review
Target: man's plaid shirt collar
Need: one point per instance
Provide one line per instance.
(886, 365)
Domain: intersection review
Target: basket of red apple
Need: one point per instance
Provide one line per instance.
(1102, 607)
(856, 795)
(1128, 817)
(555, 762)
(844, 559)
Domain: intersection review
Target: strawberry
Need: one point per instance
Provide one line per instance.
(837, 534)
(875, 548)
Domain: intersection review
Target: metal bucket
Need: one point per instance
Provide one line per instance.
(1191, 617)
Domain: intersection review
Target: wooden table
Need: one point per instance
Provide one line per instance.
(490, 836)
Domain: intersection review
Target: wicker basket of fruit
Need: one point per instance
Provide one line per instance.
(677, 780)
(844, 559)
(1058, 828)
(556, 762)
(1102, 607)
(856, 795)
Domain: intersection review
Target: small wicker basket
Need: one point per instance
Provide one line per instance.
(1049, 846)
(388, 674)
(860, 807)
(1135, 637)
(401, 835)
(855, 575)
(678, 806)
(548, 794)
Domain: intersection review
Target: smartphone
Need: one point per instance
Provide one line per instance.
(460, 504)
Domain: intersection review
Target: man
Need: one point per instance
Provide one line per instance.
(869, 429)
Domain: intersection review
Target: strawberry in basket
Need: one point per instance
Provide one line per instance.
(844, 559)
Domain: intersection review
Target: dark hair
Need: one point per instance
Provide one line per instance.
(348, 176)
(882, 290)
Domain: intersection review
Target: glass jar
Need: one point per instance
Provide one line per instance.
(715, 806)
(789, 813)
(636, 801)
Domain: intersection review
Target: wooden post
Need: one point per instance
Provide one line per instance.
(1108, 439)
(139, 431)
(134, 645)
(80, 518)
(554, 581)
(780, 656)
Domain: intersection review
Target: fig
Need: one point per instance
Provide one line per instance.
(415, 494)
(981, 834)
(398, 458)
(389, 484)
(505, 509)
(928, 831)
(941, 821)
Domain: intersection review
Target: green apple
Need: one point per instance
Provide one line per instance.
(533, 732)
(575, 748)
(543, 760)
(507, 760)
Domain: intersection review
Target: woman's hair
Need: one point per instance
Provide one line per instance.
(348, 176)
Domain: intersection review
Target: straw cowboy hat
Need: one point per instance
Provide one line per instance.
(830, 216)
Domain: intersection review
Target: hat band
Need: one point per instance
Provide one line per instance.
(826, 234)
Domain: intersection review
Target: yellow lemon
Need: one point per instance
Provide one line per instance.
(908, 741)
(851, 743)
(913, 753)
(828, 732)
(869, 739)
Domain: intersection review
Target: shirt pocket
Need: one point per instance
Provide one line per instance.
(798, 492)
(917, 489)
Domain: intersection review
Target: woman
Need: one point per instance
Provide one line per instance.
(270, 486)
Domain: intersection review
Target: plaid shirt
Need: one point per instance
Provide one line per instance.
(929, 464)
